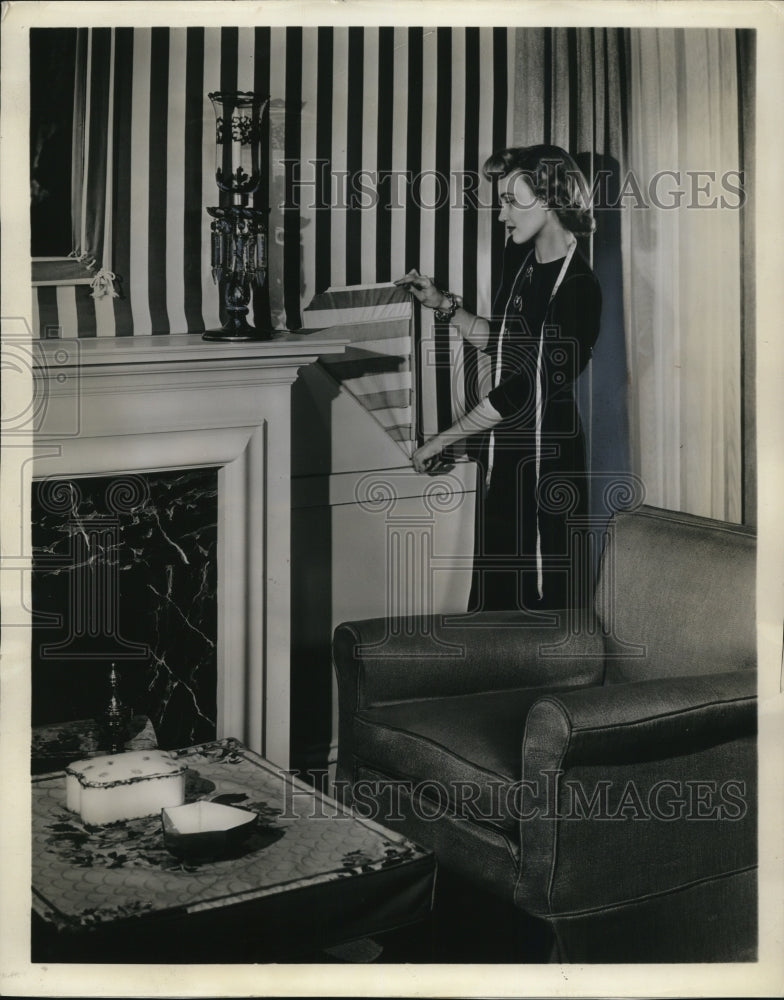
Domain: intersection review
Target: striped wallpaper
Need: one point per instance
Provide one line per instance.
(347, 105)
(358, 101)
(364, 125)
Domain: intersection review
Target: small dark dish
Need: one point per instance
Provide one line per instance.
(206, 829)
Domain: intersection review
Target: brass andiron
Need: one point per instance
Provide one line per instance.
(238, 233)
(115, 718)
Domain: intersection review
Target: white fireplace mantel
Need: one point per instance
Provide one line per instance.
(142, 404)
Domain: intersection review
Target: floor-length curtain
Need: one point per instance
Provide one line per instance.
(683, 270)
(747, 82)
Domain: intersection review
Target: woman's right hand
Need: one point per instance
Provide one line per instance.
(422, 288)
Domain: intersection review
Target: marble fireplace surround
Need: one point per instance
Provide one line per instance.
(144, 404)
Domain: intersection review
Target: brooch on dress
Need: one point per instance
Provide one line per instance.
(517, 301)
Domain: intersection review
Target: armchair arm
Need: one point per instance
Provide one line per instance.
(381, 660)
(636, 790)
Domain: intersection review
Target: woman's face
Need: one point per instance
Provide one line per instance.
(523, 214)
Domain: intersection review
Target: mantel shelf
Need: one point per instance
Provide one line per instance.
(175, 349)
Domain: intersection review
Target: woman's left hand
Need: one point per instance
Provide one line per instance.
(423, 457)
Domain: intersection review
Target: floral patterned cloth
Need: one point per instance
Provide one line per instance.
(87, 876)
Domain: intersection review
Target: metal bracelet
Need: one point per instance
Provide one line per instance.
(445, 316)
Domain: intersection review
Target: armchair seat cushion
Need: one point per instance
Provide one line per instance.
(462, 753)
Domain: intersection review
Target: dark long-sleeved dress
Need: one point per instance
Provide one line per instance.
(535, 502)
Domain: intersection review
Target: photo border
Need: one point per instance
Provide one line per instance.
(764, 978)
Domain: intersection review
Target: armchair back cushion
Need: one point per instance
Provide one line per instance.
(676, 596)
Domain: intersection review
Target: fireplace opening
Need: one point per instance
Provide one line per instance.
(125, 572)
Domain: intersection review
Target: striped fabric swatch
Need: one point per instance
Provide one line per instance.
(377, 365)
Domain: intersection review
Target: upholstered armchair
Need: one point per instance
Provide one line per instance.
(599, 775)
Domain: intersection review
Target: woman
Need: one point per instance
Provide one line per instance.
(546, 321)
